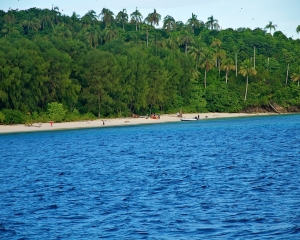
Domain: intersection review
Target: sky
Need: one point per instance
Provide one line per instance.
(229, 13)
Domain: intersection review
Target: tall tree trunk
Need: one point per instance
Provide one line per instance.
(287, 74)
(254, 58)
(226, 75)
(135, 24)
(205, 78)
(147, 36)
(246, 88)
(99, 99)
(236, 64)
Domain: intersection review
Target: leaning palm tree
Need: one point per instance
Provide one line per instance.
(247, 70)
(136, 17)
(296, 76)
(227, 65)
(169, 23)
(207, 61)
(271, 26)
(212, 23)
(122, 17)
(153, 18)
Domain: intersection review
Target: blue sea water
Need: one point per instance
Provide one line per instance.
(234, 178)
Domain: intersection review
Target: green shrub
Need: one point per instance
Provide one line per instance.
(73, 116)
(2, 117)
(56, 112)
(13, 116)
(88, 116)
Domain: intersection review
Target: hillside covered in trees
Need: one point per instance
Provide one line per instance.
(114, 65)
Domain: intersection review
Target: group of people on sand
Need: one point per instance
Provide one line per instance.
(153, 116)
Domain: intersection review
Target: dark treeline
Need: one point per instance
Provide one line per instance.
(111, 65)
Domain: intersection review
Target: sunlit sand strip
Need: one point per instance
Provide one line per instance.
(115, 122)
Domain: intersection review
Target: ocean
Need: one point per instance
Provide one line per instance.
(233, 178)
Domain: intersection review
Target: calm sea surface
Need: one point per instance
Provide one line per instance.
(211, 179)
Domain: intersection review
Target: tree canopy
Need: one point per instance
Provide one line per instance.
(108, 65)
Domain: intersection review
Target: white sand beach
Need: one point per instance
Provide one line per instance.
(116, 122)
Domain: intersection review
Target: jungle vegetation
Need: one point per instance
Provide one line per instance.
(119, 64)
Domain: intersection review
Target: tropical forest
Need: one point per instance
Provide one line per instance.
(105, 65)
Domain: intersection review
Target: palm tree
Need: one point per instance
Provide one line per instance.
(45, 19)
(194, 23)
(184, 39)
(61, 30)
(109, 34)
(9, 17)
(227, 65)
(296, 75)
(89, 18)
(75, 17)
(219, 53)
(207, 61)
(136, 17)
(33, 24)
(8, 29)
(106, 16)
(153, 18)
(169, 23)
(122, 17)
(271, 26)
(236, 51)
(171, 44)
(212, 23)
(94, 35)
(196, 50)
(146, 28)
(298, 29)
(247, 70)
(55, 14)
(288, 58)
(179, 25)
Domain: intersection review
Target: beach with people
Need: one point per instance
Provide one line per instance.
(111, 122)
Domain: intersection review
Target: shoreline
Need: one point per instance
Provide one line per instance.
(113, 122)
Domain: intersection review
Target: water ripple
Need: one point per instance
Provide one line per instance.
(223, 178)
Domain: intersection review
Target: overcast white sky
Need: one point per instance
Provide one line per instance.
(229, 13)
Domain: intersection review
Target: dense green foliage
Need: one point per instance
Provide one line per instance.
(59, 67)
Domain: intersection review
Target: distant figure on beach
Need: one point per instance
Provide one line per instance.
(198, 117)
(51, 122)
(103, 122)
